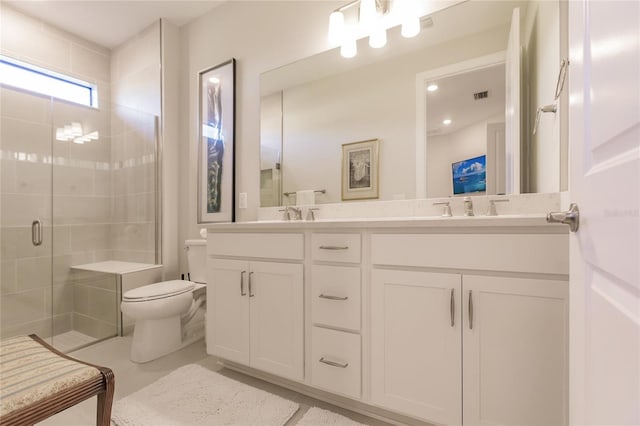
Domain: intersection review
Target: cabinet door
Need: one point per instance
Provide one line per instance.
(276, 299)
(416, 344)
(515, 351)
(228, 309)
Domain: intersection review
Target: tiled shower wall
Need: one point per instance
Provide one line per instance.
(72, 188)
(135, 81)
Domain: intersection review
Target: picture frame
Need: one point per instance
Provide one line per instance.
(360, 170)
(216, 143)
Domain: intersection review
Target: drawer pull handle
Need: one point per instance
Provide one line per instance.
(333, 363)
(327, 296)
(334, 247)
(251, 293)
(452, 309)
(470, 310)
(242, 292)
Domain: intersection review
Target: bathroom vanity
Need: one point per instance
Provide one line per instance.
(459, 320)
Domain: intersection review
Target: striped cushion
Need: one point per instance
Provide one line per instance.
(29, 373)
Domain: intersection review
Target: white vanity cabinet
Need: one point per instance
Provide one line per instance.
(336, 344)
(515, 339)
(256, 314)
(499, 343)
(416, 344)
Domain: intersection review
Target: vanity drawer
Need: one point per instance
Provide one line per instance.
(534, 253)
(335, 361)
(335, 296)
(336, 247)
(272, 246)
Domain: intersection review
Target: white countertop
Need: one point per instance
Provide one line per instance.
(538, 221)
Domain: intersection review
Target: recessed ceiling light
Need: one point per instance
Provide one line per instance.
(446, 122)
(432, 87)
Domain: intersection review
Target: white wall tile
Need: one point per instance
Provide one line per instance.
(69, 180)
(8, 176)
(25, 137)
(88, 62)
(90, 237)
(33, 178)
(33, 273)
(22, 209)
(25, 106)
(23, 307)
(8, 277)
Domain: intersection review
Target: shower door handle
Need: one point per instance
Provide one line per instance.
(36, 232)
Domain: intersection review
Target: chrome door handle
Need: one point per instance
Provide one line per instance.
(326, 296)
(570, 217)
(36, 232)
(334, 364)
(250, 285)
(470, 310)
(542, 109)
(562, 76)
(242, 292)
(334, 247)
(452, 309)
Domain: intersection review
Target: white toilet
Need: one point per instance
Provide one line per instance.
(168, 315)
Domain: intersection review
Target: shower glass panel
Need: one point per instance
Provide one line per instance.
(83, 180)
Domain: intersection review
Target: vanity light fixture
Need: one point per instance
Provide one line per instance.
(446, 121)
(73, 132)
(373, 18)
(432, 87)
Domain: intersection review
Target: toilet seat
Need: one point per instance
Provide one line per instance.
(159, 290)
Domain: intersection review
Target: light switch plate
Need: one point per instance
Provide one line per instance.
(242, 201)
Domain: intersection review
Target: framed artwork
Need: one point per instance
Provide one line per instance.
(360, 170)
(216, 143)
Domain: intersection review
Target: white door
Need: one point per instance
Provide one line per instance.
(227, 325)
(277, 332)
(416, 344)
(604, 120)
(515, 340)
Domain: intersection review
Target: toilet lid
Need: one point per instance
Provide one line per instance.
(158, 290)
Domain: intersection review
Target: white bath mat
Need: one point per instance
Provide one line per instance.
(319, 417)
(193, 395)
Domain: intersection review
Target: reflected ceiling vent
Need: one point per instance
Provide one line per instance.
(426, 22)
(481, 95)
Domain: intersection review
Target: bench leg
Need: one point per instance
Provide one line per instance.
(105, 399)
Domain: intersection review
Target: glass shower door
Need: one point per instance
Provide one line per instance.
(84, 303)
(26, 212)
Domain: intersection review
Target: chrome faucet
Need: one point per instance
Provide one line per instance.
(468, 206)
(295, 213)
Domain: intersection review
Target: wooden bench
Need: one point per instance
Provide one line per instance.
(37, 381)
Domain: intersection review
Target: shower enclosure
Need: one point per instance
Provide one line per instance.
(78, 187)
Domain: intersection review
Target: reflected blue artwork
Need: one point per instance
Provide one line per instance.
(470, 175)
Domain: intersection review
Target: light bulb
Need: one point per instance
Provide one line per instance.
(446, 121)
(349, 48)
(432, 87)
(378, 37)
(410, 27)
(336, 28)
(367, 14)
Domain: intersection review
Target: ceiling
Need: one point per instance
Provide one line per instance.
(111, 22)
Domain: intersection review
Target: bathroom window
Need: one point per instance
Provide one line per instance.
(39, 80)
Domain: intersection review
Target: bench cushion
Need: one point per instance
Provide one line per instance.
(30, 373)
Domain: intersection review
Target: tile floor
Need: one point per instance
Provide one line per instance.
(130, 377)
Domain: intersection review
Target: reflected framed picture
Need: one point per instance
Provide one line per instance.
(216, 143)
(360, 170)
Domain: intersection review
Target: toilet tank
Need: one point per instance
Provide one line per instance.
(197, 260)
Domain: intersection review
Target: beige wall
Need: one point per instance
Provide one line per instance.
(261, 36)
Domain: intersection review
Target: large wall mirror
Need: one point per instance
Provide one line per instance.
(492, 67)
